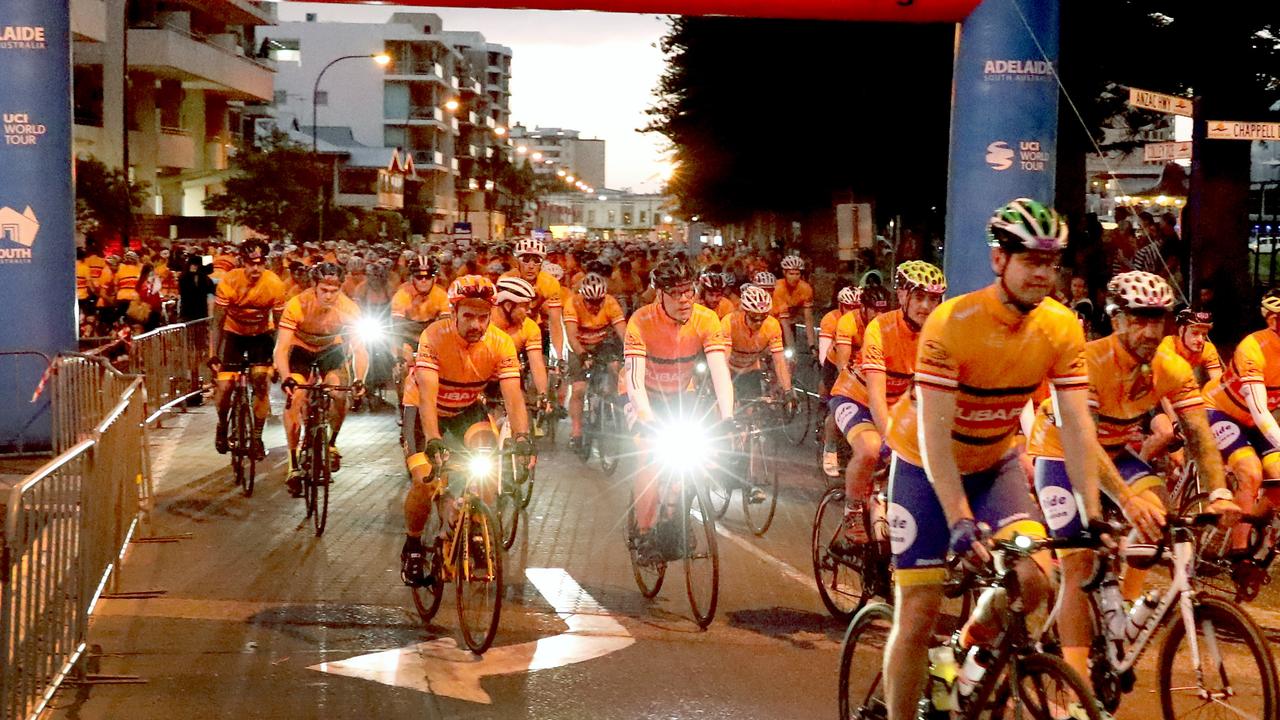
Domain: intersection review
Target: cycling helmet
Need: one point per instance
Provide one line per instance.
(766, 280)
(920, 274)
(424, 264)
(756, 299)
(792, 262)
(530, 246)
(849, 297)
(712, 279)
(513, 289)
(670, 273)
(593, 287)
(355, 265)
(553, 270)
(377, 272)
(875, 297)
(1190, 316)
(471, 287)
(1271, 302)
(254, 246)
(327, 269)
(1025, 224)
(1140, 291)
(130, 256)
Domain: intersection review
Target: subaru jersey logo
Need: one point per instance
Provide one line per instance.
(999, 155)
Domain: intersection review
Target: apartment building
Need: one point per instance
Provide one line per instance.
(436, 111)
(550, 149)
(613, 214)
(176, 74)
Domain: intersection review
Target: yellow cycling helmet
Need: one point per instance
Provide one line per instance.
(920, 274)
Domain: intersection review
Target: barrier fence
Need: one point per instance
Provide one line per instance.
(170, 360)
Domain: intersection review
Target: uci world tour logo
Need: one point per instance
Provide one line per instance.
(22, 37)
(18, 232)
(999, 155)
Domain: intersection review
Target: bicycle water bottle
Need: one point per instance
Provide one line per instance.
(1139, 616)
(942, 677)
(975, 666)
(1112, 606)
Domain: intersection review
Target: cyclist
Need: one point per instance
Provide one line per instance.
(1240, 403)
(318, 325)
(546, 309)
(863, 394)
(1192, 343)
(795, 294)
(458, 356)
(847, 347)
(955, 460)
(711, 287)
(511, 301)
(418, 302)
(752, 331)
(589, 316)
(1129, 376)
(662, 344)
(243, 308)
(768, 282)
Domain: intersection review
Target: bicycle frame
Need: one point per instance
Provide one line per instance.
(472, 489)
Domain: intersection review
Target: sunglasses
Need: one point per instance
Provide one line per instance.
(530, 259)
(422, 276)
(755, 318)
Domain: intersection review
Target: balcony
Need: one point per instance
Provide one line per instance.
(89, 20)
(174, 148)
(420, 115)
(424, 160)
(212, 64)
(417, 70)
(216, 155)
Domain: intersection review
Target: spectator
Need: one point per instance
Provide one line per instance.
(194, 288)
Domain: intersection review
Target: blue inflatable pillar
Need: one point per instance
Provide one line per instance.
(1004, 126)
(37, 211)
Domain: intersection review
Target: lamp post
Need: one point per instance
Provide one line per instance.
(380, 58)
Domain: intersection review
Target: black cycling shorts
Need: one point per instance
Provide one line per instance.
(607, 351)
(330, 359)
(234, 347)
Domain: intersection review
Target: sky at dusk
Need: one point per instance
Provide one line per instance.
(587, 71)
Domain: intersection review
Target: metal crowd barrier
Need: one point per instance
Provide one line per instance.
(65, 529)
(170, 360)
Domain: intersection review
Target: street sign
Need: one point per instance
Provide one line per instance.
(440, 667)
(1166, 151)
(1148, 100)
(1236, 130)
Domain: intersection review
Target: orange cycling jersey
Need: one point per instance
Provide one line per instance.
(526, 337)
(248, 308)
(849, 332)
(1121, 393)
(745, 346)
(546, 295)
(827, 331)
(992, 359)
(82, 280)
(1249, 364)
(419, 307)
(670, 350)
(593, 327)
(889, 347)
(465, 368)
(1207, 360)
(722, 308)
(793, 298)
(127, 282)
(316, 327)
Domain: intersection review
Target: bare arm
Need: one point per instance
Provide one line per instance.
(1200, 442)
(537, 368)
(878, 395)
(555, 326)
(1079, 442)
(936, 417)
(280, 357)
(428, 390)
(808, 325)
(781, 369)
(571, 334)
(215, 330)
(513, 399)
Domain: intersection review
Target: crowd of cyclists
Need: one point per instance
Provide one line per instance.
(994, 413)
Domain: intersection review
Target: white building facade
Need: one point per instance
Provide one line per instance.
(551, 149)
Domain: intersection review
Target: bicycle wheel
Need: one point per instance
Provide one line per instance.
(701, 558)
(798, 425)
(720, 492)
(648, 576)
(590, 421)
(1044, 688)
(861, 693)
(508, 504)
(1236, 666)
(762, 473)
(426, 600)
(840, 579)
(479, 578)
(233, 438)
(248, 464)
(609, 440)
(319, 479)
(305, 464)
(524, 488)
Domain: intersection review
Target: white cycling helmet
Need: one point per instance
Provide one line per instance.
(553, 270)
(530, 246)
(593, 287)
(756, 299)
(513, 289)
(764, 279)
(1140, 291)
(792, 262)
(849, 297)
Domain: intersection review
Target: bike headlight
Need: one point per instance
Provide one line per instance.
(700, 367)
(369, 330)
(480, 466)
(682, 446)
(788, 353)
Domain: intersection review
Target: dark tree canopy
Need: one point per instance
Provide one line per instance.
(274, 189)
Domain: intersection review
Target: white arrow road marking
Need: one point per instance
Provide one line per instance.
(440, 667)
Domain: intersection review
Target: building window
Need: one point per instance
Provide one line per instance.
(322, 98)
(281, 97)
(644, 217)
(284, 50)
(591, 217)
(611, 216)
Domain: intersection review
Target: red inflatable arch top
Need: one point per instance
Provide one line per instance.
(876, 10)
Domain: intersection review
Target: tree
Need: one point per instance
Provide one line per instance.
(275, 190)
(105, 199)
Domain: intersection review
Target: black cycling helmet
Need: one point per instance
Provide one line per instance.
(424, 264)
(670, 273)
(254, 246)
(327, 269)
(712, 278)
(876, 297)
(1193, 316)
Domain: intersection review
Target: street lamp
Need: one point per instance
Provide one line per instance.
(522, 149)
(381, 59)
(451, 105)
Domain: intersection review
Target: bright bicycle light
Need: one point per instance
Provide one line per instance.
(480, 466)
(682, 446)
(369, 330)
(1024, 542)
(788, 353)
(700, 367)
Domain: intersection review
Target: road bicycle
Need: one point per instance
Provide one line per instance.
(849, 576)
(516, 476)
(603, 427)
(465, 545)
(685, 529)
(315, 456)
(805, 422)
(240, 428)
(752, 465)
(1227, 663)
(1011, 678)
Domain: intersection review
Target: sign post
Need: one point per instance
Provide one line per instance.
(1166, 151)
(1004, 126)
(1239, 130)
(1159, 102)
(37, 210)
